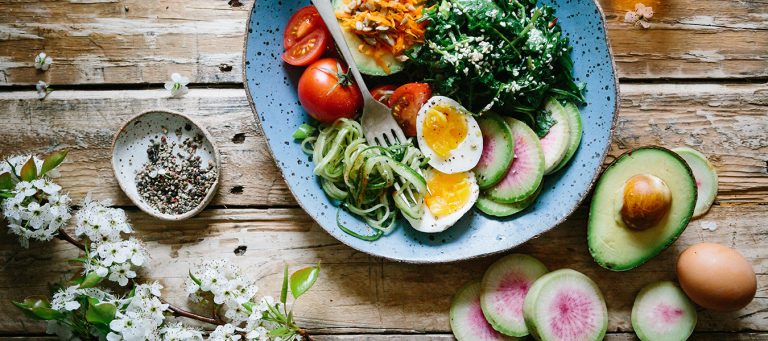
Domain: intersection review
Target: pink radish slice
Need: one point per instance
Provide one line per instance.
(467, 320)
(504, 287)
(527, 169)
(663, 312)
(565, 305)
(498, 150)
(555, 143)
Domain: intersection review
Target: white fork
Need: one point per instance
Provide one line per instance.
(379, 127)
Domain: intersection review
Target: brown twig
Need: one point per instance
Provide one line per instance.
(305, 335)
(63, 235)
(188, 314)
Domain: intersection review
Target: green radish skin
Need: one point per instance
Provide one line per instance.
(574, 123)
(466, 316)
(497, 155)
(565, 305)
(527, 169)
(486, 205)
(662, 311)
(555, 143)
(504, 287)
(706, 179)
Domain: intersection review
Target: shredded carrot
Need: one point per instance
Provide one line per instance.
(384, 26)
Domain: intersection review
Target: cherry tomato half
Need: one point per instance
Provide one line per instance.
(382, 93)
(406, 102)
(327, 93)
(301, 23)
(308, 49)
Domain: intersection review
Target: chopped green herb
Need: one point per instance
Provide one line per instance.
(493, 55)
(304, 131)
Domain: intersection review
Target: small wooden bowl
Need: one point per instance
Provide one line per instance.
(129, 154)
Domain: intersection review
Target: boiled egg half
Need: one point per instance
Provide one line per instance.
(448, 135)
(448, 198)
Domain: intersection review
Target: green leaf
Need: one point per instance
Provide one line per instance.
(38, 308)
(53, 161)
(6, 181)
(280, 331)
(284, 290)
(91, 280)
(194, 279)
(100, 313)
(303, 279)
(248, 306)
(29, 170)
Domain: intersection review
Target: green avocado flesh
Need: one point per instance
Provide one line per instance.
(617, 247)
(365, 63)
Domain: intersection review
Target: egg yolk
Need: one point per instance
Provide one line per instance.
(444, 129)
(447, 193)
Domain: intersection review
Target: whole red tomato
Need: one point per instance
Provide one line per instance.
(327, 93)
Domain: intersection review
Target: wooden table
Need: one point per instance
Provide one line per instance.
(696, 78)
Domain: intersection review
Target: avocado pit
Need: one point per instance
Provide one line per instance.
(646, 200)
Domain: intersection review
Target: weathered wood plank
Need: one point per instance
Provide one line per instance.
(136, 41)
(442, 337)
(727, 122)
(357, 293)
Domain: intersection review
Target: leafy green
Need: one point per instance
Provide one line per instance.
(303, 279)
(91, 280)
(6, 181)
(38, 308)
(506, 56)
(542, 122)
(52, 161)
(100, 313)
(29, 170)
(284, 289)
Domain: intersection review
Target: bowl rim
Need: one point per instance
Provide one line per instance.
(579, 202)
(137, 200)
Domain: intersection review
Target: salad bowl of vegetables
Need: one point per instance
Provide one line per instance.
(508, 107)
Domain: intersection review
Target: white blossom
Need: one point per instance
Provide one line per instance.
(121, 273)
(226, 332)
(66, 299)
(43, 61)
(142, 316)
(179, 332)
(228, 286)
(177, 85)
(101, 223)
(36, 210)
(640, 16)
(42, 89)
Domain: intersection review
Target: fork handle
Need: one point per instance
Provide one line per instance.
(328, 14)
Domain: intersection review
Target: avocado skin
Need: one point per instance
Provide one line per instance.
(597, 253)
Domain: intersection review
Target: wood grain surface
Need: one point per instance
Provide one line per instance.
(357, 293)
(696, 78)
(138, 41)
(728, 122)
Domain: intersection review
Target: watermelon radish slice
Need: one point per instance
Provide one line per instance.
(498, 150)
(486, 205)
(527, 169)
(504, 286)
(574, 140)
(467, 320)
(663, 312)
(555, 143)
(706, 178)
(565, 305)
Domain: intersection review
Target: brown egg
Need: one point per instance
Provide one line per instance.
(716, 277)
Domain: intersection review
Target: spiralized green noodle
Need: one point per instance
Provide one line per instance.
(370, 181)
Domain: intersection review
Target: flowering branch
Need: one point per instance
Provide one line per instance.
(63, 235)
(35, 209)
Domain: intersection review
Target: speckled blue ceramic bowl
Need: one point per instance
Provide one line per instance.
(271, 88)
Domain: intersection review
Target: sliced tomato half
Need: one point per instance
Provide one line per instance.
(301, 24)
(382, 93)
(406, 102)
(308, 49)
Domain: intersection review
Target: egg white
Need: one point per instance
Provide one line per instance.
(431, 224)
(467, 153)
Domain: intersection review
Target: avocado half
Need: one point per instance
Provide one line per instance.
(366, 64)
(611, 242)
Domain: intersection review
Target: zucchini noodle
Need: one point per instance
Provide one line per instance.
(370, 181)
